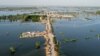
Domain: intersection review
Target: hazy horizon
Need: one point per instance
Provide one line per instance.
(50, 3)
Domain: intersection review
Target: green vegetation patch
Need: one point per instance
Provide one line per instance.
(34, 18)
(98, 12)
(69, 40)
(22, 17)
(37, 45)
(12, 49)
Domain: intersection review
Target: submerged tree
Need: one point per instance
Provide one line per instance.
(37, 45)
(12, 50)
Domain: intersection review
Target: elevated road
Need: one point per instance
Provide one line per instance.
(51, 48)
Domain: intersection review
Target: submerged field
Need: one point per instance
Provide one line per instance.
(78, 36)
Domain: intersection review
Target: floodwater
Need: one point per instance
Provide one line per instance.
(78, 29)
(83, 30)
(9, 36)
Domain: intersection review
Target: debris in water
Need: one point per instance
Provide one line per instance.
(61, 32)
(87, 38)
(91, 30)
(88, 18)
(7, 33)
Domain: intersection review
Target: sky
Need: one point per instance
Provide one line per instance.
(51, 2)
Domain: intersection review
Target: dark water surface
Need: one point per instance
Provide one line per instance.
(78, 29)
(9, 36)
